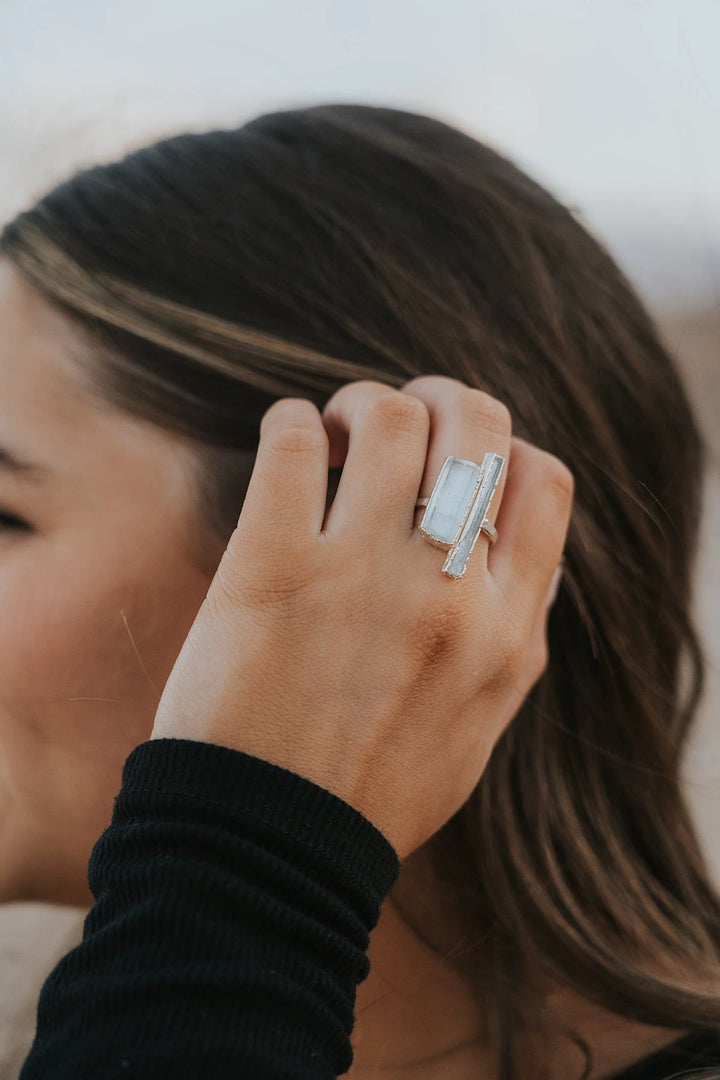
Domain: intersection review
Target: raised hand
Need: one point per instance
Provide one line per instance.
(333, 645)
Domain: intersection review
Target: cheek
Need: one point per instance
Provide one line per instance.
(87, 643)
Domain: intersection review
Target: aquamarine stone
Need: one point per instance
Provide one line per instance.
(450, 500)
(459, 553)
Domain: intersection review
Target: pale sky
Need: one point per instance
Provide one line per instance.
(613, 104)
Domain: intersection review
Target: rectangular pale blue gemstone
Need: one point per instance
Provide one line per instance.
(459, 554)
(450, 500)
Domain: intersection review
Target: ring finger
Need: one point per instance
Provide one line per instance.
(465, 423)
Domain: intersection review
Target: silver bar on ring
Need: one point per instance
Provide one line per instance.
(459, 553)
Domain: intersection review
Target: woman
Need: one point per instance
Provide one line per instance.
(182, 291)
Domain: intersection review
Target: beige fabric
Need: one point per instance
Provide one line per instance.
(34, 936)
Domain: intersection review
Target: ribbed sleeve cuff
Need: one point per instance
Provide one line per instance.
(234, 901)
(286, 803)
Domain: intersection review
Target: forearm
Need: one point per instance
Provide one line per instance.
(234, 902)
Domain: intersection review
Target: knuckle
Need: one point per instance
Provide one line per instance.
(274, 593)
(291, 411)
(559, 477)
(296, 438)
(487, 412)
(437, 635)
(399, 412)
(511, 649)
(357, 392)
(284, 593)
(283, 574)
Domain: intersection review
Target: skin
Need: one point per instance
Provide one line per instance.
(99, 595)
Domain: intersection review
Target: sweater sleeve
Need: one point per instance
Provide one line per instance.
(233, 905)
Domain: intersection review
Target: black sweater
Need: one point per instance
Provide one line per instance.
(233, 905)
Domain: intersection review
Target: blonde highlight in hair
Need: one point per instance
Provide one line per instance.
(180, 329)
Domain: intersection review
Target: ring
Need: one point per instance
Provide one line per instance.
(456, 511)
(486, 527)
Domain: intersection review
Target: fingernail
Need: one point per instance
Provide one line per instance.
(554, 584)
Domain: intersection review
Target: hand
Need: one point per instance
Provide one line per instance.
(333, 645)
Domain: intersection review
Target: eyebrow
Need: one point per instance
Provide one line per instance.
(26, 469)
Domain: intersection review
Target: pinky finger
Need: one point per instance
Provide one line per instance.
(532, 523)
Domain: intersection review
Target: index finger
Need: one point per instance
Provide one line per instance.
(288, 487)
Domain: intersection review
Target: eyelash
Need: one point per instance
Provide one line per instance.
(9, 521)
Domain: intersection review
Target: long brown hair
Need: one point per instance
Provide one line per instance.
(214, 272)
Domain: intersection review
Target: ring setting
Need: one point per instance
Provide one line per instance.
(456, 511)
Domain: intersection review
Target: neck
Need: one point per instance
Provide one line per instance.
(419, 1018)
(415, 1016)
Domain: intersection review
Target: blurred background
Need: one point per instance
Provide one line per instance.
(614, 106)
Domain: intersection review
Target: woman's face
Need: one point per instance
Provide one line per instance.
(96, 596)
